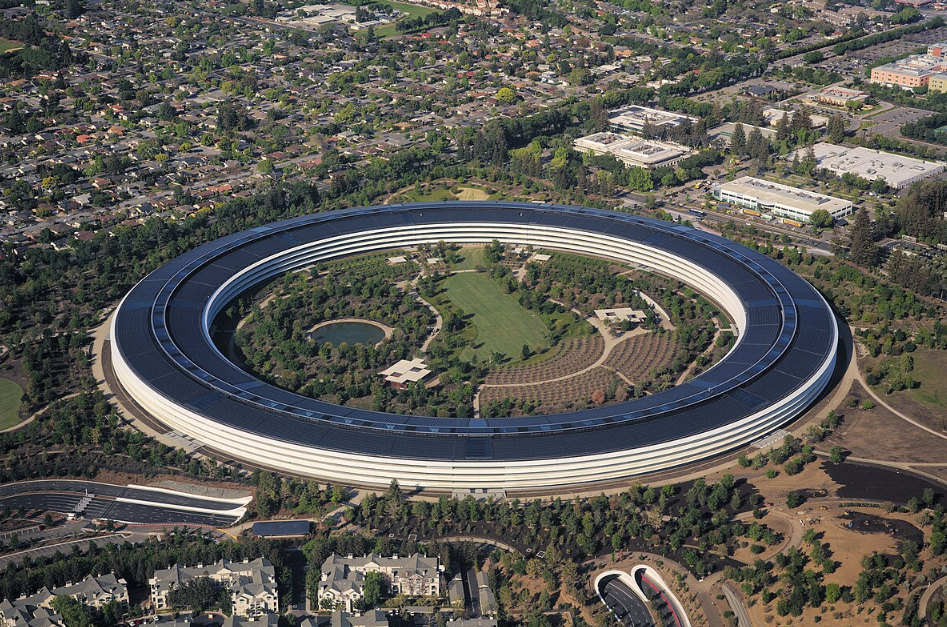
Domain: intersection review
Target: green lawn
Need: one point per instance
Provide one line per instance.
(502, 324)
(929, 368)
(410, 10)
(10, 395)
(471, 257)
(6, 45)
(434, 195)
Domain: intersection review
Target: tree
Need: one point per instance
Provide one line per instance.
(738, 140)
(837, 454)
(73, 613)
(820, 219)
(832, 593)
(639, 179)
(793, 500)
(373, 589)
(757, 147)
(863, 250)
(506, 95)
(836, 129)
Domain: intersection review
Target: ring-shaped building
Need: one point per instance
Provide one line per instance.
(164, 358)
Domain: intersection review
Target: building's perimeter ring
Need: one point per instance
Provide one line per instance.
(164, 358)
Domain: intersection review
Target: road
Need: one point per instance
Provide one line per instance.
(128, 504)
(135, 537)
(626, 606)
(743, 619)
(660, 603)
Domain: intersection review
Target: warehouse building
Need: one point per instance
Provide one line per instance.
(897, 170)
(632, 151)
(782, 201)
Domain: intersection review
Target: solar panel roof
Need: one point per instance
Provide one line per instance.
(159, 335)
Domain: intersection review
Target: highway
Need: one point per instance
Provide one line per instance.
(626, 606)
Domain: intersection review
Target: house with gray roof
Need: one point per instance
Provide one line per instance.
(252, 584)
(36, 610)
(343, 578)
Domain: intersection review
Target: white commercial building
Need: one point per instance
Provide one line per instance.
(897, 170)
(405, 372)
(780, 200)
(635, 119)
(632, 151)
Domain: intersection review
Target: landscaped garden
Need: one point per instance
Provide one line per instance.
(506, 328)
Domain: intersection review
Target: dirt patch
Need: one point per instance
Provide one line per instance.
(870, 523)
(863, 481)
(220, 492)
(879, 434)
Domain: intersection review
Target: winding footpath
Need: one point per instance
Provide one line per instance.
(926, 597)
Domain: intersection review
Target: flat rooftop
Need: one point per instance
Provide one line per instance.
(282, 528)
(636, 116)
(725, 131)
(768, 193)
(621, 313)
(406, 371)
(896, 170)
(919, 65)
(773, 116)
(650, 153)
(842, 92)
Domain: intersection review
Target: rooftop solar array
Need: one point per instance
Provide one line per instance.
(786, 340)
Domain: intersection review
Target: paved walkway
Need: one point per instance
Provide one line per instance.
(861, 379)
(438, 320)
(926, 597)
(37, 413)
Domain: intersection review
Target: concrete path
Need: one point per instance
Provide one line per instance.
(438, 320)
(861, 379)
(926, 597)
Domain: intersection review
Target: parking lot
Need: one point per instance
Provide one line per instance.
(889, 123)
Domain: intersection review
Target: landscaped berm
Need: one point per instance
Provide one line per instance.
(11, 395)
(503, 326)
